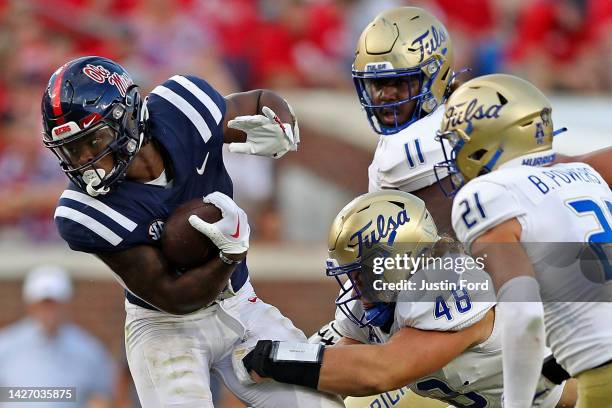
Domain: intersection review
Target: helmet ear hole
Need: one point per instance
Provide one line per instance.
(502, 99)
(478, 154)
(445, 74)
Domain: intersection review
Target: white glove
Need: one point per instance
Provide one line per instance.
(231, 233)
(266, 134)
(327, 335)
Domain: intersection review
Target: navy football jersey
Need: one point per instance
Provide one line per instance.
(186, 119)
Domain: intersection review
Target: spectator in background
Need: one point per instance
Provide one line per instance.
(299, 44)
(46, 350)
(477, 33)
(30, 182)
(565, 37)
(169, 40)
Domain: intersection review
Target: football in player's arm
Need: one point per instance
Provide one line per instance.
(132, 161)
(256, 122)
(143, 268)
(504, 207)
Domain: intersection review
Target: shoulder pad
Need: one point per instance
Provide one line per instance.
(200, 103)
(481, 205)
(89, 225)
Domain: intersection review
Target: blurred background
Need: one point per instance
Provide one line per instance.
(301, 48)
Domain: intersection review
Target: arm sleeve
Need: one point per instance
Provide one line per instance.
(522, 339)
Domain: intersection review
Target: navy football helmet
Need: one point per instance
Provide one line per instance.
(93, 102)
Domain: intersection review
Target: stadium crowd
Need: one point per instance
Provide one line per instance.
(243, 44)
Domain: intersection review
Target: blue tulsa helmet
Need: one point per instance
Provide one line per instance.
(410, 50)
(93, 101)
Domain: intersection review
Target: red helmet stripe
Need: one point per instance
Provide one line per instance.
(56, 101)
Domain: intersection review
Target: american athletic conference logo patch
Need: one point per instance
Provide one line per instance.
(155, 230)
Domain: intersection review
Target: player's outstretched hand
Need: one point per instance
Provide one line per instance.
(327, 335)
(231, 233)
(266, 134)
(257, 360)
(242, 373)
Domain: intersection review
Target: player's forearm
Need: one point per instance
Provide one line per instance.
(522, 340)
(196, 288)
(251, 103)
(275, 102)
(146, 273)
(408, 356)
(358, 370)
(600, 160)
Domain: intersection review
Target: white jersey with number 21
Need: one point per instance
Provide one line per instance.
(565, 212)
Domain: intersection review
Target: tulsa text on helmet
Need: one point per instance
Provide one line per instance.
(455, 116)
(431, 44)
(384, 228)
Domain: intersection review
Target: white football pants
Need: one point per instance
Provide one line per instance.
(171, 357)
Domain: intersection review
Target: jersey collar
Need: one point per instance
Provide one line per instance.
(538, 159)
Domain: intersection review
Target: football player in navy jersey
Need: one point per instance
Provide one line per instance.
(131, 161)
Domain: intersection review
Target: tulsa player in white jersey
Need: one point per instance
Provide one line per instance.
(442, 343)
(403, 73)
(402, 90)
(546, 232)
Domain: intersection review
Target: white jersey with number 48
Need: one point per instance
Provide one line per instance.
(474, 378)
(565, 212)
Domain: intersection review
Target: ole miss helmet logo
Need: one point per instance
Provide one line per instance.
(100, 74)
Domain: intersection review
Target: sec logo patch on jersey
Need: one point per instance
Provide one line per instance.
(155, 230)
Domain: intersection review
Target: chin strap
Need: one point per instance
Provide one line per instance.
(379, 314)
(144, 117)
(93, 177)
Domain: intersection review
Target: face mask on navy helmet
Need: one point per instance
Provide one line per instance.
(92, 110)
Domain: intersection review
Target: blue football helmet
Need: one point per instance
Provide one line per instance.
(93, 98)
